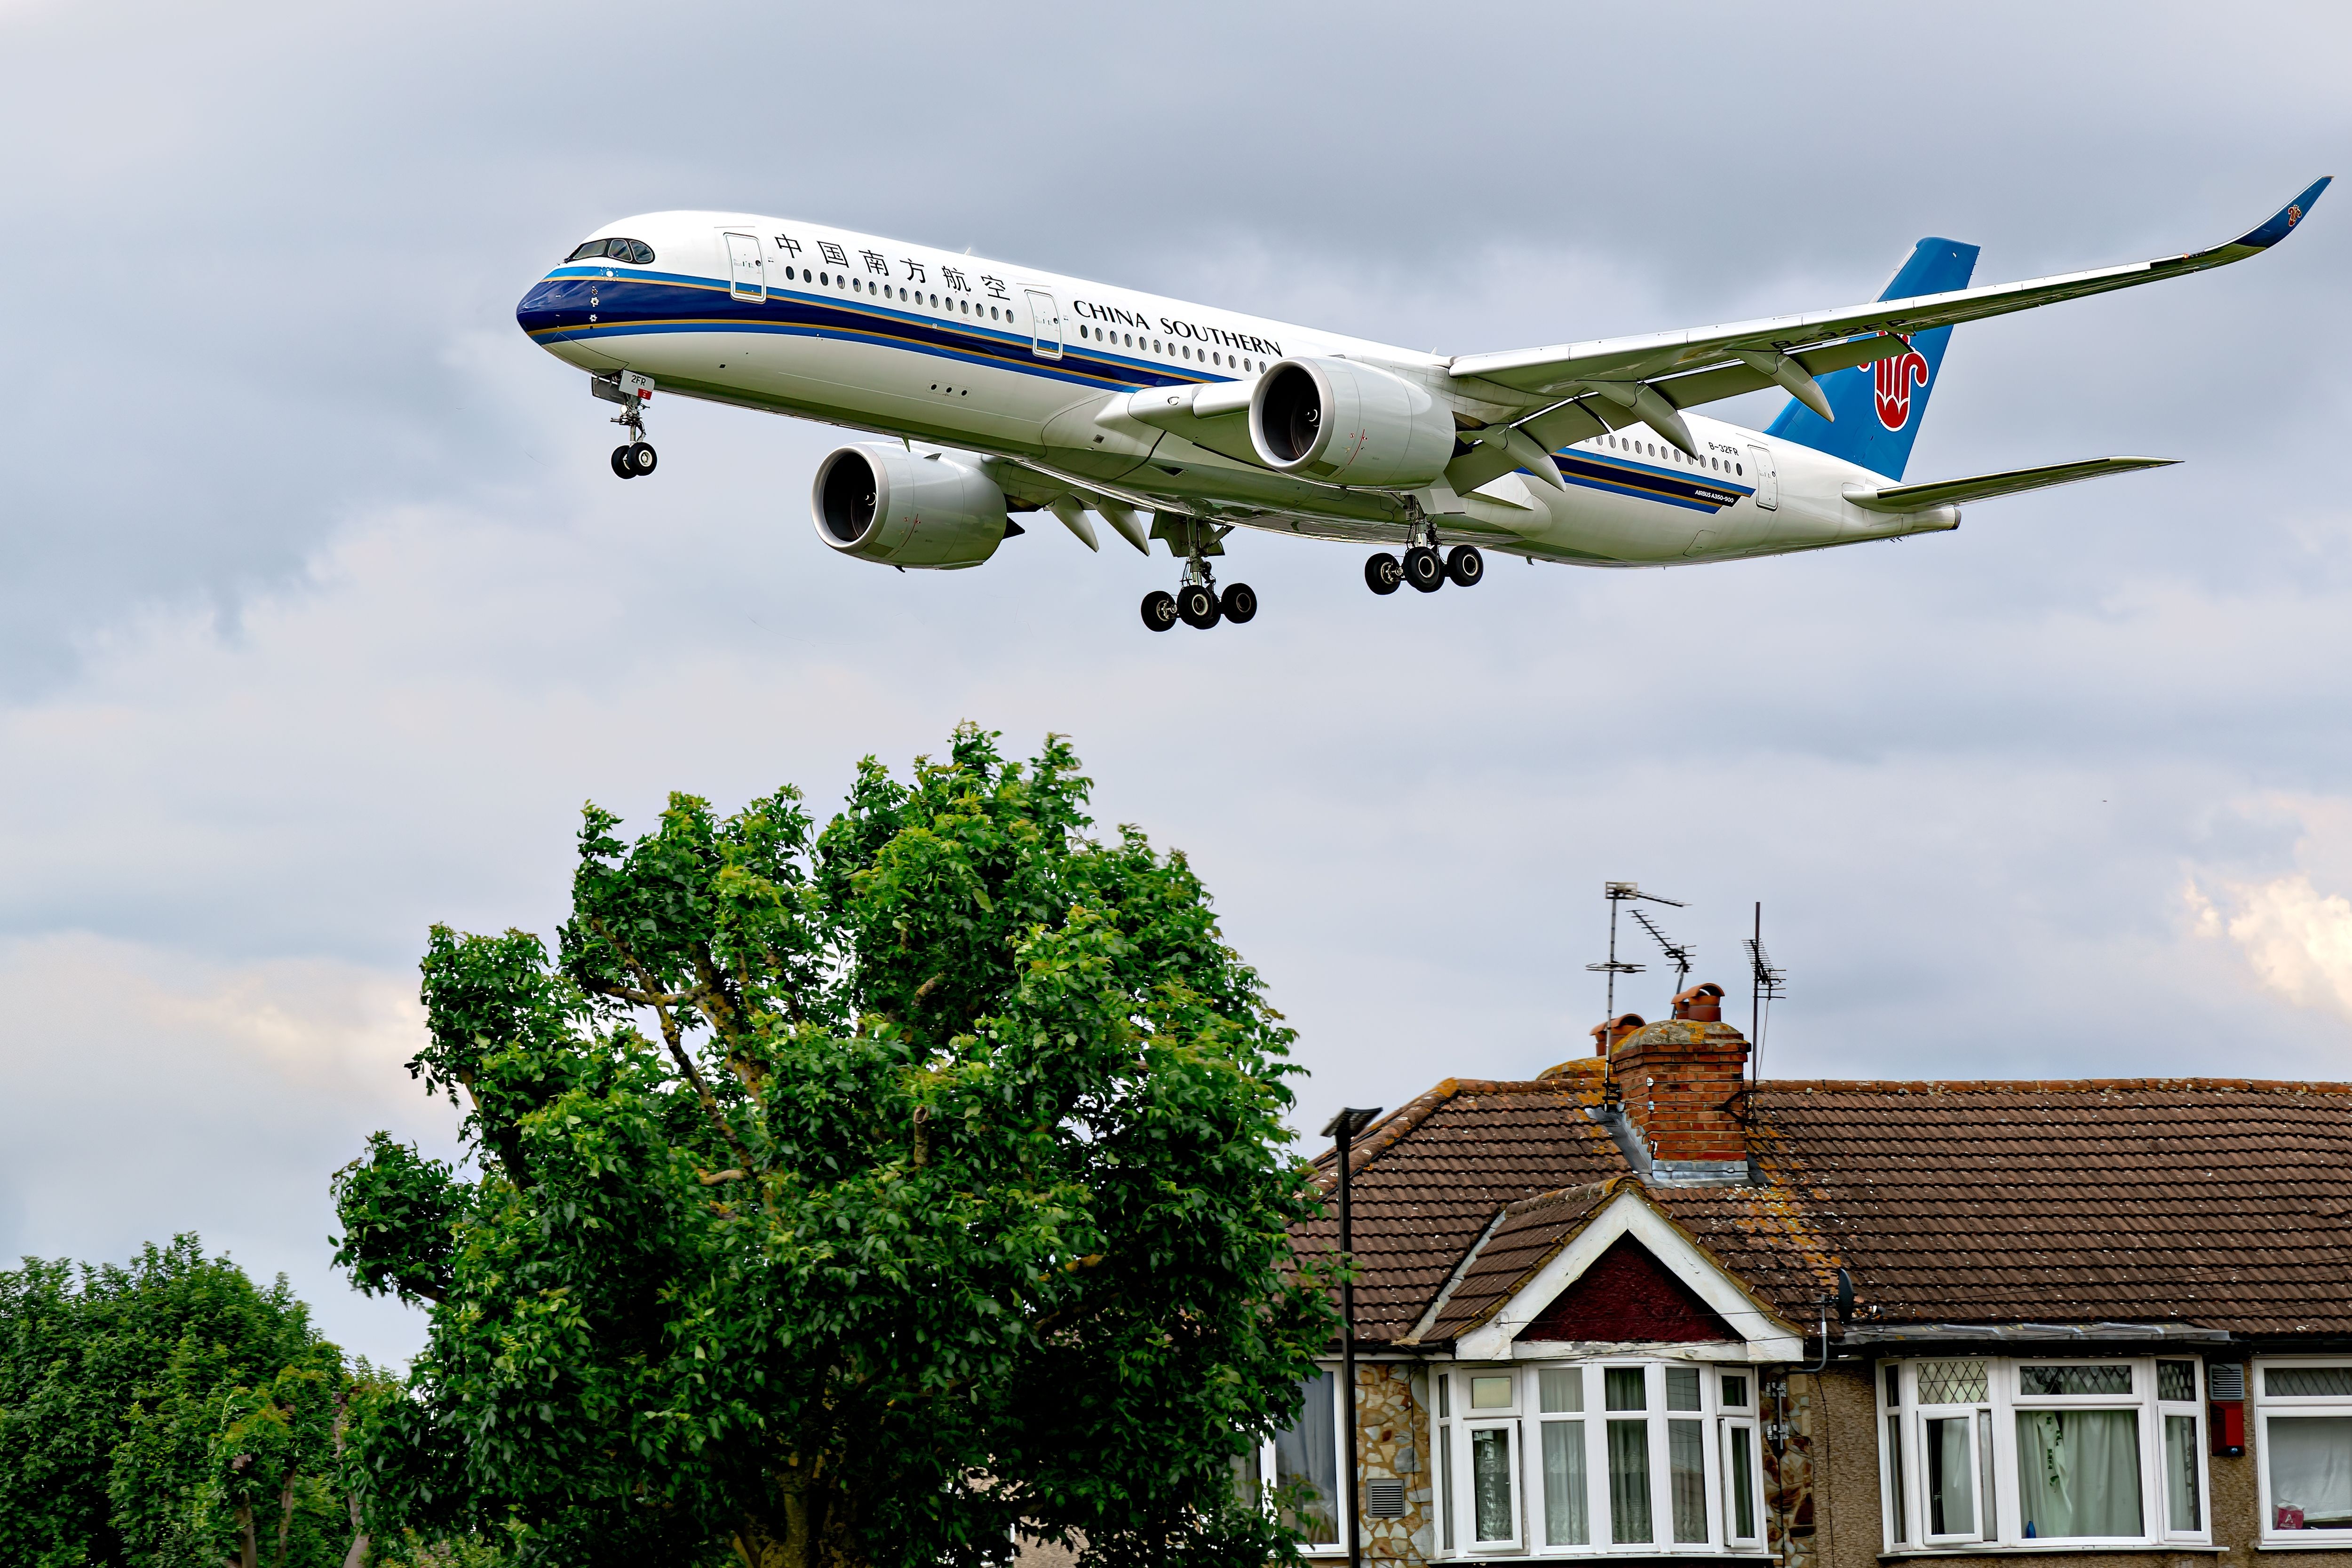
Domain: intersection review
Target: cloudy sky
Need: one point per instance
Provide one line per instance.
(321, 614)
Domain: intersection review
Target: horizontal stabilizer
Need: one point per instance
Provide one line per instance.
(1985, 487)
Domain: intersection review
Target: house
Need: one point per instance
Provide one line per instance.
(1640, 1307)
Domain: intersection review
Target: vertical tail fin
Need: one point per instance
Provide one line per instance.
(1879, 406)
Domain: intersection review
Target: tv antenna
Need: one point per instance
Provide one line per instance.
(1677, 953)
(1766, 983)
(1619, 892)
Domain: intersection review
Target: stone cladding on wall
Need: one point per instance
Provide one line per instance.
(1393, 1438)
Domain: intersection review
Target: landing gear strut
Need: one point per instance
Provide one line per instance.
(1196, 601)
(1422, 567)
(634, 458)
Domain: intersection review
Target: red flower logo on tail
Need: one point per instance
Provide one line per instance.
(1891, 382)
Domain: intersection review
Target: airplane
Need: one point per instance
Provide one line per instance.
(1004, 391)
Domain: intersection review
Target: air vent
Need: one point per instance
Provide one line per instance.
(2225, 1379)
(1383, 1500)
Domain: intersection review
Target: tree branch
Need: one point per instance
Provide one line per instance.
(671, 1038)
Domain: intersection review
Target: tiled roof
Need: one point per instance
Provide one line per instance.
(1427, 1180)
(2222, 1203)
(1524, 1236)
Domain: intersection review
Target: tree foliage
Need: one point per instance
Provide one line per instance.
(848, 1196)
(166, 1414)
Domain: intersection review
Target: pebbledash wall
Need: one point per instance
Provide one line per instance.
(1842, 1277)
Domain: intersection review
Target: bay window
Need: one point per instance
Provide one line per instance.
(1980, 1450)
(1637, 1457)
(2303, 1410)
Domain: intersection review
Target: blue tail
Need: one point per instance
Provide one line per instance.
(1879, 406)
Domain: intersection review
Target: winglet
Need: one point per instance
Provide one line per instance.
(2271, 232)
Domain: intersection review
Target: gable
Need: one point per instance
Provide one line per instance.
(1628, 1296)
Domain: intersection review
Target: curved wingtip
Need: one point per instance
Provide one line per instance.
(2286, 218)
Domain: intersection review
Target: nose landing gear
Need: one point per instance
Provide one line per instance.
(634, 458)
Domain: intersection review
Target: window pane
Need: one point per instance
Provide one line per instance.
(1623, 1388)
(2106, 1378)
(1735, 1391)
(1901, 1512)
(2176, 1380)
(1308, 1454)
(1893, 1385)
(1686, 1477)
(1950, 1463)
(1490, 1483)
(1629, 1480)
(2180, 1508)
(1740, 1485)
(1951, 1382)
(1445, 1482)
(1984, 1472)
(1444, 1389)
(1682, 1388)
(1490, 1393)
(1565, 1520)
(2311, 1471)
(2306, 1382)
(1562, 1388)
(2078, 1472)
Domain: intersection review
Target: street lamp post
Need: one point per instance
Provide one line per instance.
(1343, 1130)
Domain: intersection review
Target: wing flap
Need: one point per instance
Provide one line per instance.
(1985, 487)
(1560, 368)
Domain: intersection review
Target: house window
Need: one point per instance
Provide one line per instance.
(1638, 1457)
(1978, 1450)
(2305, 1412)
(1303, 1461)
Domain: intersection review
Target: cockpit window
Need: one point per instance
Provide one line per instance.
(636, 251)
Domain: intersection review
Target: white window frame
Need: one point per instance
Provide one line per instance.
(1999, 1522)
(1450, 1448)
(2265, 1405)
(1345, 1499)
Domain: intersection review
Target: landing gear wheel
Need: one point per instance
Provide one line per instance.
(1381, 573)
(641, 459)
(1160, 610)
(621, 463)
(1239, 602)
(1423, 570)
(1465, 565)
(1196, 605)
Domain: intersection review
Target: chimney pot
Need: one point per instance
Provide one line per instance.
(1701, 1004)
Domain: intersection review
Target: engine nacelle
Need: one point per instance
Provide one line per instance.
(886, 503)
(1347, 423)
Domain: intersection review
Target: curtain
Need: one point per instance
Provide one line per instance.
(2310, 1468)
(1686, 1477)
(1308, 1452)
(1566, 1522)
(1629, 1481)
(1950, 1510)
(2078, 1472)
(1496, 1515)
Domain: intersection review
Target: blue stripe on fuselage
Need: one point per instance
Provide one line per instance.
(1639, 480)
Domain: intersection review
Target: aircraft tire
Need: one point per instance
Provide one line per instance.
(1196, 606)
(1423, 570)
(641, 459)
(1465, 565)
(1239, 602)
(1381, 573)
(1160, 610)
(621, 461)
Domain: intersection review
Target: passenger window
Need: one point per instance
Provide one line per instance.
(1739, 471)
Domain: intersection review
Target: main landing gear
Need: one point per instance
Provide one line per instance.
(1197, 602)
(1422, 567)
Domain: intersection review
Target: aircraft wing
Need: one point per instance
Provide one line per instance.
(1984, 487)
(1703, 364)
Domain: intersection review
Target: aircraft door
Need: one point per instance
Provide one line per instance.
(1766, 477)
(1044, 325)
(746, 272)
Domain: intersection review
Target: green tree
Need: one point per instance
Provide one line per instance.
(124, 1392)
(849, 1197)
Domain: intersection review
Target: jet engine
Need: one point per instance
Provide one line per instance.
(1347, 423)
(886, 503)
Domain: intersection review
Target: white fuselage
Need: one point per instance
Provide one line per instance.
(933, 347)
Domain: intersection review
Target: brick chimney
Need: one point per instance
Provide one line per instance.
(1681, 1081)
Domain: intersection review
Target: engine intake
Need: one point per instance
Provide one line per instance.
(1350, 424)
(884, 504)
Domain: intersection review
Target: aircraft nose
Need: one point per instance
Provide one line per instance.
(548, 311)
